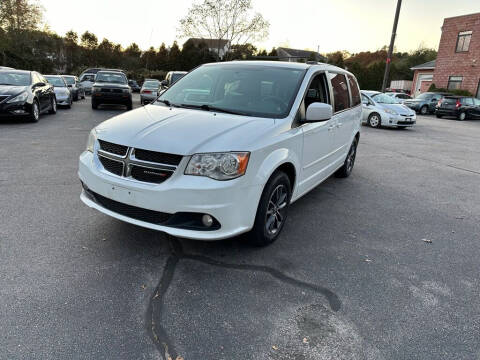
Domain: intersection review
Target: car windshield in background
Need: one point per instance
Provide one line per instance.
(252, 90)
(56, 81)
(151, 84)
(176, 77)
(88, 77)
(384, 99)
(14, 78)
(424, 96)
(115, 78)
(69, 80)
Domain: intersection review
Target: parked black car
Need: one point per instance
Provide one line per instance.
(425, 103)
(78, 92)
(111, 87)
(461, 107)
(25, 94)
(134, 85)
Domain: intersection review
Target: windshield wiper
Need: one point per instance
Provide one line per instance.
(168, 103)
(207, 107)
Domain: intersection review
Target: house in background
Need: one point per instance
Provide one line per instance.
(458, 61)
(422, 78)
(295, 55)
(217, 46)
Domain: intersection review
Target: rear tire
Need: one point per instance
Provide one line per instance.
(374, 120)
(424, 110)
(272, 210)
(347, 166)
(462, 116)
(53, 105)
(35, 114)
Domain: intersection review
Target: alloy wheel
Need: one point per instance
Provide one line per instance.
(276, 210)
(351, 157)
(54, 105)
(36, 111)
(374, 120)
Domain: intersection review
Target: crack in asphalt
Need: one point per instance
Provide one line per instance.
(159, 334)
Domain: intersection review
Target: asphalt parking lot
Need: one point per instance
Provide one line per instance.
(382, 265)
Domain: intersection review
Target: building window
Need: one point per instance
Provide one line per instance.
(463, 41)
(454, 82)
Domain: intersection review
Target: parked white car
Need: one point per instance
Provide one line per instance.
(86, 81)
(225, 150)
(382, 110)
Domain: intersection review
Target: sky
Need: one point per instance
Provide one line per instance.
(327, 25)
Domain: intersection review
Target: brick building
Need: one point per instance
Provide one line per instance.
(458, 61)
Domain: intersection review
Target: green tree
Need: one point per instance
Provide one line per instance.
(19, 15)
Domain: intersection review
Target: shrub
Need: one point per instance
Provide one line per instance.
(458, 92)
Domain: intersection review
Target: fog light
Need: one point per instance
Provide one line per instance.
(19, 112)
(207, 220)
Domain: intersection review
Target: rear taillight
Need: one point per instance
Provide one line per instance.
(458, 104)
(146, 91)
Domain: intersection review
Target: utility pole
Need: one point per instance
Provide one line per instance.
(392, 43)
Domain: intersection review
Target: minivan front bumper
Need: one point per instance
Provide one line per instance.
(232, 203)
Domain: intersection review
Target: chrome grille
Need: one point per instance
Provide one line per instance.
(139, 164)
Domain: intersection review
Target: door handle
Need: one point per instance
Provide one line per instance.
(331, 127)
(339, 125)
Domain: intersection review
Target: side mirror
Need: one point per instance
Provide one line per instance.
(70, 85)
(164, 83)
(319, 112)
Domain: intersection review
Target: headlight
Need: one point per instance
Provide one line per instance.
(218, 166)
(95, 89)
(126, 90)
(19, 98)
(92, 137)
(390, 112)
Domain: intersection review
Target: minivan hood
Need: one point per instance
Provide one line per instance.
(183, 131)
(398, 108)
(12, 90)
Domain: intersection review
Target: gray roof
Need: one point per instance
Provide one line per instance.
(298, 54)
(427, 65)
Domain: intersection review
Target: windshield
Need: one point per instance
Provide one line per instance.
(88, 77)
(116, 78)
(14, 78)
(383, 99)
(56, 81)
(424, 96)
(151, 84)
(253, 90)
(176, 77)
(69, 80)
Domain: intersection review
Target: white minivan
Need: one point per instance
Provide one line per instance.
(225, 150)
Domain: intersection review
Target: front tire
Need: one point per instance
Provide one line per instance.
(375, 121)
(272, 210)
(439, 116)
(424, 110)
(347, 166)
(94, 105)
(462, 116)
(129, 106)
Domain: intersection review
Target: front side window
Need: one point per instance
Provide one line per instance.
(340, 91)
(354, 90)
(467, 101)
(70, 80)
(454, 82)
(252, 90)
(463, 41)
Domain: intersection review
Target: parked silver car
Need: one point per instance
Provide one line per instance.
(87, 80)
(78, 92)
(399, 97)
(149, 91)
(380, 110)
(62, 92)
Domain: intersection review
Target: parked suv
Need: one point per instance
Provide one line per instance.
(25, 94)
(425, 103)
(172, 77)
(111, 87)
(226, 150)
(461, 107)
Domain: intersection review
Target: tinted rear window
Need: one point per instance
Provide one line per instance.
(340, 91)
(354, 90)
